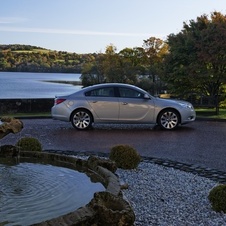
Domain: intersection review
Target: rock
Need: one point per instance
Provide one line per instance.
(9, 154)
(9, 125)
(106, 163)
(124, 186)
(112, 210)
(8, 150)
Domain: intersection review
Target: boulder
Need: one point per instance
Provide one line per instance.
(111, 210)
(9, 154)
(94, 161)
(9, 125)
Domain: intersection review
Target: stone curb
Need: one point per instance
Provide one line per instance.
(213, 174)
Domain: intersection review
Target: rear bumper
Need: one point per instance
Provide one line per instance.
(60, 114)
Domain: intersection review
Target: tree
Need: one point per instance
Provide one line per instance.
(197, 56)
(132, 63)
(111, 65)
(155, 49)
(93, 72)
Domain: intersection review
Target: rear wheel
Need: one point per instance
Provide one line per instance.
(168, 119)
(81, 119)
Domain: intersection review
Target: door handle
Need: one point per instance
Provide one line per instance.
(124, 103)
(95, 101)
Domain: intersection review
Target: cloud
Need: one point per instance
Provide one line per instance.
(74, 32)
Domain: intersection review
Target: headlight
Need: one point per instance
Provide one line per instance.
(186, 105)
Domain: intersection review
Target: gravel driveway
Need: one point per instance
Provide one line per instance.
(201, 143)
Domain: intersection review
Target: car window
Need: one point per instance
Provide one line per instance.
(101, 92)
(130, 93)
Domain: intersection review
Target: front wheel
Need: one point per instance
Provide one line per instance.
(168, 119)
(81, 119)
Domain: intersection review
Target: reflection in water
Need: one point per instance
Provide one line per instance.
(31, 193)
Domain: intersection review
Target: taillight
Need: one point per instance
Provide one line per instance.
(58, 101)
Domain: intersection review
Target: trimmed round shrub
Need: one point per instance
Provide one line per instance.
(29, 144)
(125, 156)
(217, 198)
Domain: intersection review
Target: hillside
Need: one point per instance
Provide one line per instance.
(27, 58)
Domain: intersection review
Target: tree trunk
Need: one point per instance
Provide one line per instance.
(217, 104)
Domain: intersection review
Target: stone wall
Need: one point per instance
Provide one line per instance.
(13, 106)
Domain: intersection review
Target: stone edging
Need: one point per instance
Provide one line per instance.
(213, 174)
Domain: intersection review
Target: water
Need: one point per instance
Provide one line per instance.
(31, 193)
(15, 85)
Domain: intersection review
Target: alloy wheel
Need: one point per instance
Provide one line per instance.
(81, 120)
(169, 120)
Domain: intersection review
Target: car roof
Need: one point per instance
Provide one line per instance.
(110, 84)
(96, 86)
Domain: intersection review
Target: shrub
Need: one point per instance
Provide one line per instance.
(217, 198)
(125, 156)
(29, 144)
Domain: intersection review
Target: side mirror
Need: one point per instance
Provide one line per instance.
(146, 96)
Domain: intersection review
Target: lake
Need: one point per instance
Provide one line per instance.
(24, 85)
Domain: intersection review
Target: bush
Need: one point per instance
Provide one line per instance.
(217, 198)
(125, 156)
(222, 104)
(29, 144)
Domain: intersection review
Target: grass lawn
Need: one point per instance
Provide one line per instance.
(210, 113)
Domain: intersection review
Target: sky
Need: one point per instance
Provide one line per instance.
(89, 26)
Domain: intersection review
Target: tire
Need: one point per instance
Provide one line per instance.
(81, 119)
(168, 119)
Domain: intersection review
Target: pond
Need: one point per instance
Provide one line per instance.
(22, 85)
(32, 192)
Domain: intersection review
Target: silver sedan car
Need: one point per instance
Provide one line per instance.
(120, 103)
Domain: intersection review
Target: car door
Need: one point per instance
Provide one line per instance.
(133, 107)
(104, 104)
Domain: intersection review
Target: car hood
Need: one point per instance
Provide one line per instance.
(169, 102)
